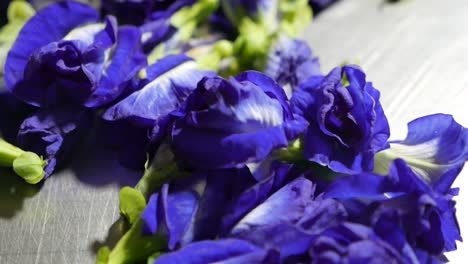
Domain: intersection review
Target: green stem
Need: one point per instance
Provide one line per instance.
(8, 153)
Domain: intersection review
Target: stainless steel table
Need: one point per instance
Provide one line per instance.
(415, 52)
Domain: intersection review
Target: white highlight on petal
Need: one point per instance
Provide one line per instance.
(259, 116)
(85, 33)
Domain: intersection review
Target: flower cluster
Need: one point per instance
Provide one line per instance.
(250, 153)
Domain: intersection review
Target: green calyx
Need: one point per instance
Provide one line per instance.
(294, 154)
(27, 165)
(30, 167)
(133, 247)
(18, 13)
(211, 58)
(252, 45)
(296, 15)
(132, 203)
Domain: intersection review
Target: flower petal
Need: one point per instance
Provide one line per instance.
(171, 80)
(42, 29)
(219, 251)
(52, 133)
(435, 148)
(126, 61)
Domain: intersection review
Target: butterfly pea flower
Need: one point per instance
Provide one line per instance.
(436, 148)
(168, 83)
(291, 62)
(220, 251)
(79, 60)
(52, 133)
(354, 243)
(289, 219)
(229, 123)
(423, 215)
(347, 125)
(190, 209)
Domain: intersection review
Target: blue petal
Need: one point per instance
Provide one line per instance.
(42, 29)
(288, 213)
(363, 185)
(254, 196)
(150, 215)
(228, 123)
(179, 208)
(346, 124)
(436, 149)
(126, 61)
(52, 134)
(219, 251)
(171, 80)
(290, 62)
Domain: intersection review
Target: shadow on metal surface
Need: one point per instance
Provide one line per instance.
(96, 165)
(13, 192)
(116, 231)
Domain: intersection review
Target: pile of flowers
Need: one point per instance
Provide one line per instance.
(251, 154)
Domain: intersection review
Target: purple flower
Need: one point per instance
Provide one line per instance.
(53, 133)
(422, 215)
(435, 148)
(191, 209)
(347, 125)
(76, 61)
(228, 123)
(288, 220)
(354, 243)
(167, 85)
(224, 250)
(290, 62)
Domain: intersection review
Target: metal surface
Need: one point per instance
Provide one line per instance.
(415, 52)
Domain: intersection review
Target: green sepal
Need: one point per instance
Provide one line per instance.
(194, 14)
(294, 154)
(20, 10)
(153, 179)
(132, 203)
(8, 153)
(295, 16)
(103, 256)
(27, 165)
(30, 167)
(212, 56)
(18, 13)
(133, 247)
(252, 45)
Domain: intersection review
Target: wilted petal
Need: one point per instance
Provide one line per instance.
(290, 62)
(52, 133)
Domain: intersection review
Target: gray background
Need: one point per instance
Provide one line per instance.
(415, 52)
